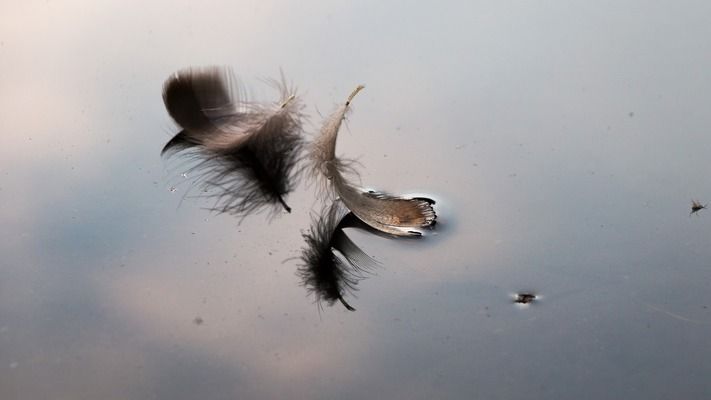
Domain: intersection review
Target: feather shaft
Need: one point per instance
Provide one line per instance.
(396, 215)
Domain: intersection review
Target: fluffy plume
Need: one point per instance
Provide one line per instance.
(391, 214)
(245, 152)
(332, 264)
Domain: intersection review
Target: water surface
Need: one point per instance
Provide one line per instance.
(563, 141)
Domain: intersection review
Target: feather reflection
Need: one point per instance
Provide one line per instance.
(332, 263)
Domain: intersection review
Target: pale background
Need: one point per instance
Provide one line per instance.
(563, 140)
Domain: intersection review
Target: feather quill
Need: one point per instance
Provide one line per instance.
(332, 263)
(395, 215)
(245, 152)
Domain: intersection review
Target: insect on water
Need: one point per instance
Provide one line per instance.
(524, 298)
(696, 206)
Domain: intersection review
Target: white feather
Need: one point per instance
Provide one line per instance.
(395, 215)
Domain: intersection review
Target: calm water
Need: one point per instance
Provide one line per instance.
(563, 141)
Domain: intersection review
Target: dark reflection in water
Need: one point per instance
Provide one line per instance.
(332, 263)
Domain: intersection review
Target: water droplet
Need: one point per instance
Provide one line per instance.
(184, 174)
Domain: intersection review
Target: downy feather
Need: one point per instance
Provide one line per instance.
(395, 215)
(245, 152)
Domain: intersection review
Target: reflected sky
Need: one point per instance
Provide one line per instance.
(563, 142)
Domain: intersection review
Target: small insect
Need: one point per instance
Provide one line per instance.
(524, 298)
(696, 207)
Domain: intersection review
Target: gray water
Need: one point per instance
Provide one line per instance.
(563, 142)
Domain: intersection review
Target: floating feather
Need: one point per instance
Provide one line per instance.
(245, 152)
(332, 264)
(395, 215)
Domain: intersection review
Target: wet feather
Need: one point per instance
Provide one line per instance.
(396, 215)
(245, 153)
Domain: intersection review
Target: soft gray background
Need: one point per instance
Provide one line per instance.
(564, 141)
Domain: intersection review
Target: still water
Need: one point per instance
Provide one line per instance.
(563, 142)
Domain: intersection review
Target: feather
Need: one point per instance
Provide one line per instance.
(396, 215)
(332, 263)
(245, 152)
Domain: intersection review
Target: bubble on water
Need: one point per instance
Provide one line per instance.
(172, 189)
